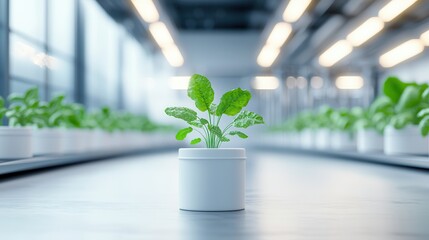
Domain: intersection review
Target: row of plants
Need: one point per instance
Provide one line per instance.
(397, 122)
(38, 127)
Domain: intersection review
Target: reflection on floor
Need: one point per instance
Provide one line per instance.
(288, 197)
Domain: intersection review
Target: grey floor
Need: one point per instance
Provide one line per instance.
(288, 197)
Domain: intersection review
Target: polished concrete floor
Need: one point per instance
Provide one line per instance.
(288, 197)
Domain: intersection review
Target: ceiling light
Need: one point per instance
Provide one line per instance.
(401, 53)
(179, 82)
(290, 82)
(365, 31)
(394, 8)
(161, 34)
(301, 82)
(425, 38)
(335, 53)
(295, 9)
(316, 82)
(265, 83)
(173, 56)
(267, 56)
(147, 10)
(279, 34)
(349, 82)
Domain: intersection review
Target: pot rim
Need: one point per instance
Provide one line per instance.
(15, 131)
(212, 153)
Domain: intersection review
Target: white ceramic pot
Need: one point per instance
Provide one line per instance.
(212, 179)
(15, 142)
(369, 140)
(343, 141)
(322, 139)
(47, 141)
(307, 139)
(74, 141)
(405, 141)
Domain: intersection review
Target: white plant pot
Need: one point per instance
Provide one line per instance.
(343, 141)
(307, 139)
(47, 141)
(323, 139)
(405, 141)
(369, 140)
(74, 141)
(212, 179)
(15, 142)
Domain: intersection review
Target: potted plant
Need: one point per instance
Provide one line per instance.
(402, 135)
(371, 125)
(324, 125)
(213, 178)
(343, 136)
(15, 139)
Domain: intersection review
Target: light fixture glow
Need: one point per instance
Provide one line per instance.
(173, 56)
(147, 10)
(365, 31)
(267, 56)
(335, 53)
(161, 34)
(425, 38)
(394, 8)
(295, 9)
(401, 53)
(349, 82)
(265, 83)
(290, 82)
(179, 82)
(301, 82)
(279, 34)
(316, 82)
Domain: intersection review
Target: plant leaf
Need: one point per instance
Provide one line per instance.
(200, 90)
(233, 101)
(424, 112)
(246, 119)
(182, 133)
(183, 113)
(393, 88)
(238, 133)
(224, 139)
(216, 131)
(203, 121)
(410, 98)
(424, 126)
(195, 124)
(213, 108)
(425, 95)
(195, 141)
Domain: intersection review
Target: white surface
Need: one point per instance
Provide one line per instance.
(405, 141)
(369, 140)
(212, 179)
(343, 140)
(15, 143)
(47, 141)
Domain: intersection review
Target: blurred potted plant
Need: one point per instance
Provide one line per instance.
(402, 135)
(343, 137)
(213, 178)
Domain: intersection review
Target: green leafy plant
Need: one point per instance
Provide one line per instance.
(231, 104)
(24, 108)
(408, 101)
(377, 116)
(2, 109)
(424, 115)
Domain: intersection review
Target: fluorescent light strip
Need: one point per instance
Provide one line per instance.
(295, 9)
(173, 56)
(425, 38)
(267, 56)
(265, 83)
(161, 34)
(349, 82)
(365, 31)
(279, 34)
(401, 53)
(335, 53)
(179, 82)
(394, 8)
(147, 10)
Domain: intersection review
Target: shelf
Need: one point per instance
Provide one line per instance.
(401, 160)
(13, 166)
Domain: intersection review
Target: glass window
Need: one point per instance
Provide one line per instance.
(61, 24)
(28, 18)
(61, 74)
(27, 60)
(102, 56)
